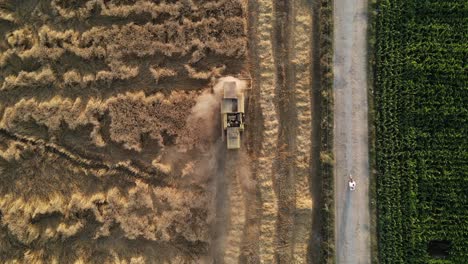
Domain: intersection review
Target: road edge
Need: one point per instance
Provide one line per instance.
(371, 40)
(326, 137)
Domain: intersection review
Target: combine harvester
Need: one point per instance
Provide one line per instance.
(232, 114)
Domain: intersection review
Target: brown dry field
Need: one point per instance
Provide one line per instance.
(110, 145)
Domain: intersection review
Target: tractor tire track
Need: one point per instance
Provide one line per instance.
(221, 205)
(236, 213)
(124, 167)
(229, 223)
(284, 180)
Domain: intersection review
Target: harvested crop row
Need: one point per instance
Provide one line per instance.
(122, 109)
(111, 8)
(112, 44)
(194, 42)
(42, 77)
(154, 10)
(301, 61)
(270, 133)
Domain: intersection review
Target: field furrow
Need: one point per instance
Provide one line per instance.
(284, 163)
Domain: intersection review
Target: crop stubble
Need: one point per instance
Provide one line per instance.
(270, 132)
(303, 84)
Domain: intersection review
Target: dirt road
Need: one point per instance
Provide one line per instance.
(351, 132)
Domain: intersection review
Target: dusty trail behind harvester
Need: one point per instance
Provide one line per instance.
(221, 205)
(232, 167)
(229, 204)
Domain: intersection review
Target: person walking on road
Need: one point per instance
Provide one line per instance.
(351, 183)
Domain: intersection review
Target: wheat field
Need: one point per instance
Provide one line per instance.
(110, 148)
(98, 159)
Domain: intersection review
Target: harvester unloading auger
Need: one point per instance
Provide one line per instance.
(232, 114)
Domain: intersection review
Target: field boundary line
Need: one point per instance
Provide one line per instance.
(371, 35)
(327, 121)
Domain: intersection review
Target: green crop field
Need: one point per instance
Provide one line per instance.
(421, 118)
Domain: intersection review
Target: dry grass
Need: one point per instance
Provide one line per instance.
(302, 40)
(159, 73)
(135, 114)
(40, 78)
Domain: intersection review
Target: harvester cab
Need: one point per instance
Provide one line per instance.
(232, 114)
